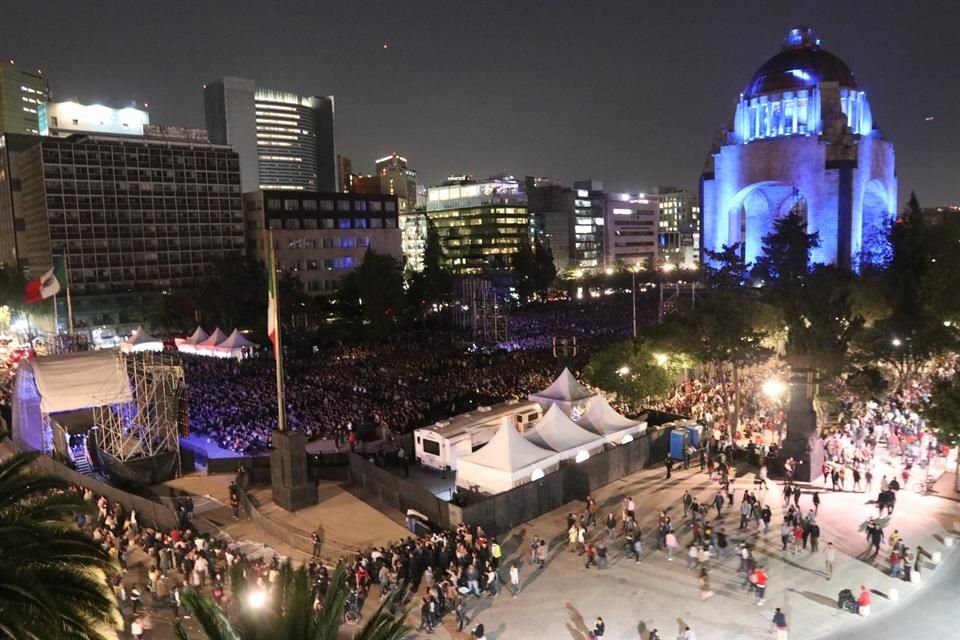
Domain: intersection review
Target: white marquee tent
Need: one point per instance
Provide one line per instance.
(235, 345)
(209, 346)
(559, 433)
(141, 341)
(604, 420)
(565, 392)
(507, 461)
(189, 345)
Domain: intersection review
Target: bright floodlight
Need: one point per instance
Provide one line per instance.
(537, 474)
(627, 438)
(774, 388)
(668, 267)
(609, 271)
(624, 370)
(661, 358)
(896, 342)
(582, 455)
(257, 599)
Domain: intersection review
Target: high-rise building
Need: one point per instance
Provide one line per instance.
(62, 119)
(22, 91)
(133, 216)
(344, 173)
(552, 207)
(320, 237)
(631, 230)
(679, 242)
(285, 141)
(803, 142)
(481, 225)
(589, 208)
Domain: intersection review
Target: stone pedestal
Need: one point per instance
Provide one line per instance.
(292, 487)
(802, 442)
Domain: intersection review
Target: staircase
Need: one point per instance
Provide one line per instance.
(82, 465)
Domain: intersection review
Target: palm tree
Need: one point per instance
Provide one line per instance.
(53, 578)
(292, 614)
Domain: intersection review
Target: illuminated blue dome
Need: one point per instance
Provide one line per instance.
(784, 97)
(802, 64)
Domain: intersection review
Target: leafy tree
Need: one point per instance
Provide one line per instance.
(942, 412)
(635, 370)
(434, 282)
(52, 576)
(12, 287)
(375, 289)
(291, 614)
(545, 271)
(234, 294)
(524, 271)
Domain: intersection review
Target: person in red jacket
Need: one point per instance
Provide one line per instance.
(863, 602)
(760, 580)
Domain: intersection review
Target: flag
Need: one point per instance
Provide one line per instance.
(272, 300)
(49, 285)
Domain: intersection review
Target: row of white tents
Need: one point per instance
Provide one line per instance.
(578, 423)
(217, 344)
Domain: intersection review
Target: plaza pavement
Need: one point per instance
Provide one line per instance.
(563, 600)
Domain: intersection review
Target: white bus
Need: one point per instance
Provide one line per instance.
(440, 444)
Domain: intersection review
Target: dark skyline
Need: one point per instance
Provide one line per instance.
(630, 93)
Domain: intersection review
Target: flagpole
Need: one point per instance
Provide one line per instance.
(56, 319)
(66, 270)
(277, 343)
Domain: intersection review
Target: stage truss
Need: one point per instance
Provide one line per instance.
(482, 313)
(151, 424)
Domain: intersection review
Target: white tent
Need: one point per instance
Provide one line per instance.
(141, 341)
(565, 392)
(507, 461)
(188, 345)
(235, 345)
(208, 346)
(559, 433)
(604, 420)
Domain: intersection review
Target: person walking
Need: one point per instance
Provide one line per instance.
(515, 579)
(542, 554)
(718, 502)
(687, 501)
(814, 537)
(745, 511)
(760, 581)
(704, 579)
(816, 503)
(669, 465)
(829, 557)
(672, 545)
(317, 538)
(780, 624)
(136, 629)
(461, 610)
(599, 629)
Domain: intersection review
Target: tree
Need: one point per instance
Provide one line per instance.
(942, 412)
(524, 271)
(635, 370)
(545, 271)
(53, 578)
(434, 282)
(291, 614)
(375, 289)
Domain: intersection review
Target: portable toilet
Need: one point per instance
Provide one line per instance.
(679, 438)
(696, 434)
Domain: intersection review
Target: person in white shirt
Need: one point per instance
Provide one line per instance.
(515, 579)
(136, 629)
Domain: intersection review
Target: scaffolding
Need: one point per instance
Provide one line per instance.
(151, 423)
(482, 313)
(674, 296)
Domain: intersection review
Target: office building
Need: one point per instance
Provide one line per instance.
(481, 225)
(679, 242)
(320, 237)
(22, 91)
(589, 213)
(803, 141)
(630, 225)
(285, 141)
(552, 213)
(344, 173)
(62, 119)
(133, 216)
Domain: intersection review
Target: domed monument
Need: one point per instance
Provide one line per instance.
(803, 139)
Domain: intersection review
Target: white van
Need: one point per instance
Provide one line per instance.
(441, 444)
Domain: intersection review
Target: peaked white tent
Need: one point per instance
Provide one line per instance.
(208, 346)
(565, 392)
(141, 341)
(604, 420)
(235, 345)
(189, 345)
(507, 461)
(559, 433)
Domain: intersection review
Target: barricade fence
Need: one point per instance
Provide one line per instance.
(501, 512)
(148, 511)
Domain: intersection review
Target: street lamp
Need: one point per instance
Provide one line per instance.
(624, 370)
(896, 342)
(633, 290)
(773, 388)
(661, 358)
(257, 599)
(608, 271)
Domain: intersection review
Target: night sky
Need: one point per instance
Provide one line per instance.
(626, 92)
